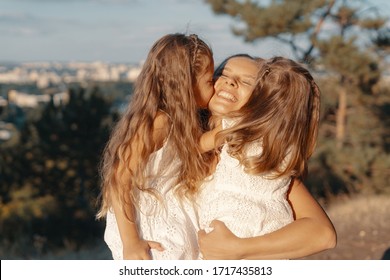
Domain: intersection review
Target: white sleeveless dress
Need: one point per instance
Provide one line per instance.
(169, 220)
(249, 205)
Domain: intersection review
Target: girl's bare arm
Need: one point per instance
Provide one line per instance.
(133, 246)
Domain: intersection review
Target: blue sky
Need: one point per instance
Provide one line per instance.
(115, 30)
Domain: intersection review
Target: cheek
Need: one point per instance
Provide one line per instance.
(210, 91)
(246, 95)
(205, 95)
(217, 83)
(212, 103)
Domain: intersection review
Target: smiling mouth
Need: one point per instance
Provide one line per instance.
(228, 96)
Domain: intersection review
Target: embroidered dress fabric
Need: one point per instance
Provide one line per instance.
(249, 205)
(166, 219)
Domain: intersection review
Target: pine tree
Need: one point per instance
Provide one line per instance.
(347, 41)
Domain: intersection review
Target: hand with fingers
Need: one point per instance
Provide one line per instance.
(140, 250)
(218, 242)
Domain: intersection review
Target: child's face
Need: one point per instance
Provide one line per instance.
(235, 85)
(204, 87)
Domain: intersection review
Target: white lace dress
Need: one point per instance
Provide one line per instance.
(169, 221)
(249, 205)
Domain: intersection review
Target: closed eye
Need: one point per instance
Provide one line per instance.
(247, 83)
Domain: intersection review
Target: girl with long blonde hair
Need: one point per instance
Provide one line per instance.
(153, 160)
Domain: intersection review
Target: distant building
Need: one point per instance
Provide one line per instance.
(60, 98)
(6, 131)
(133, 74)
(22, 99)
(5, 135)
(3, 102)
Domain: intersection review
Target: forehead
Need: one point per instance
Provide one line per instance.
(242, 65)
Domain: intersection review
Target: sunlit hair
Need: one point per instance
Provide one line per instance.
(166, 83)
(282, 115)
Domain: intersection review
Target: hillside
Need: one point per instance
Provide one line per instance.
(363, 229)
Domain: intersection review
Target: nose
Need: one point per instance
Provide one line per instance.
(230, 82)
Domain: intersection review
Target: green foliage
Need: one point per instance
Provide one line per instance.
(362, 165)
(50, 179)
(343, 57)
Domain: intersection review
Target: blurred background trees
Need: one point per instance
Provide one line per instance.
(49, 178)
(345, 44)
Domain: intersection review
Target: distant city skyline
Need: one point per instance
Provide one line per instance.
(44, 74)
(117, 30)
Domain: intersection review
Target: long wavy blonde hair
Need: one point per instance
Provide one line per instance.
(282, 115)
(166, 83)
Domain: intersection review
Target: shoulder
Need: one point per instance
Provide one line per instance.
(161, 121)
(161, 128)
